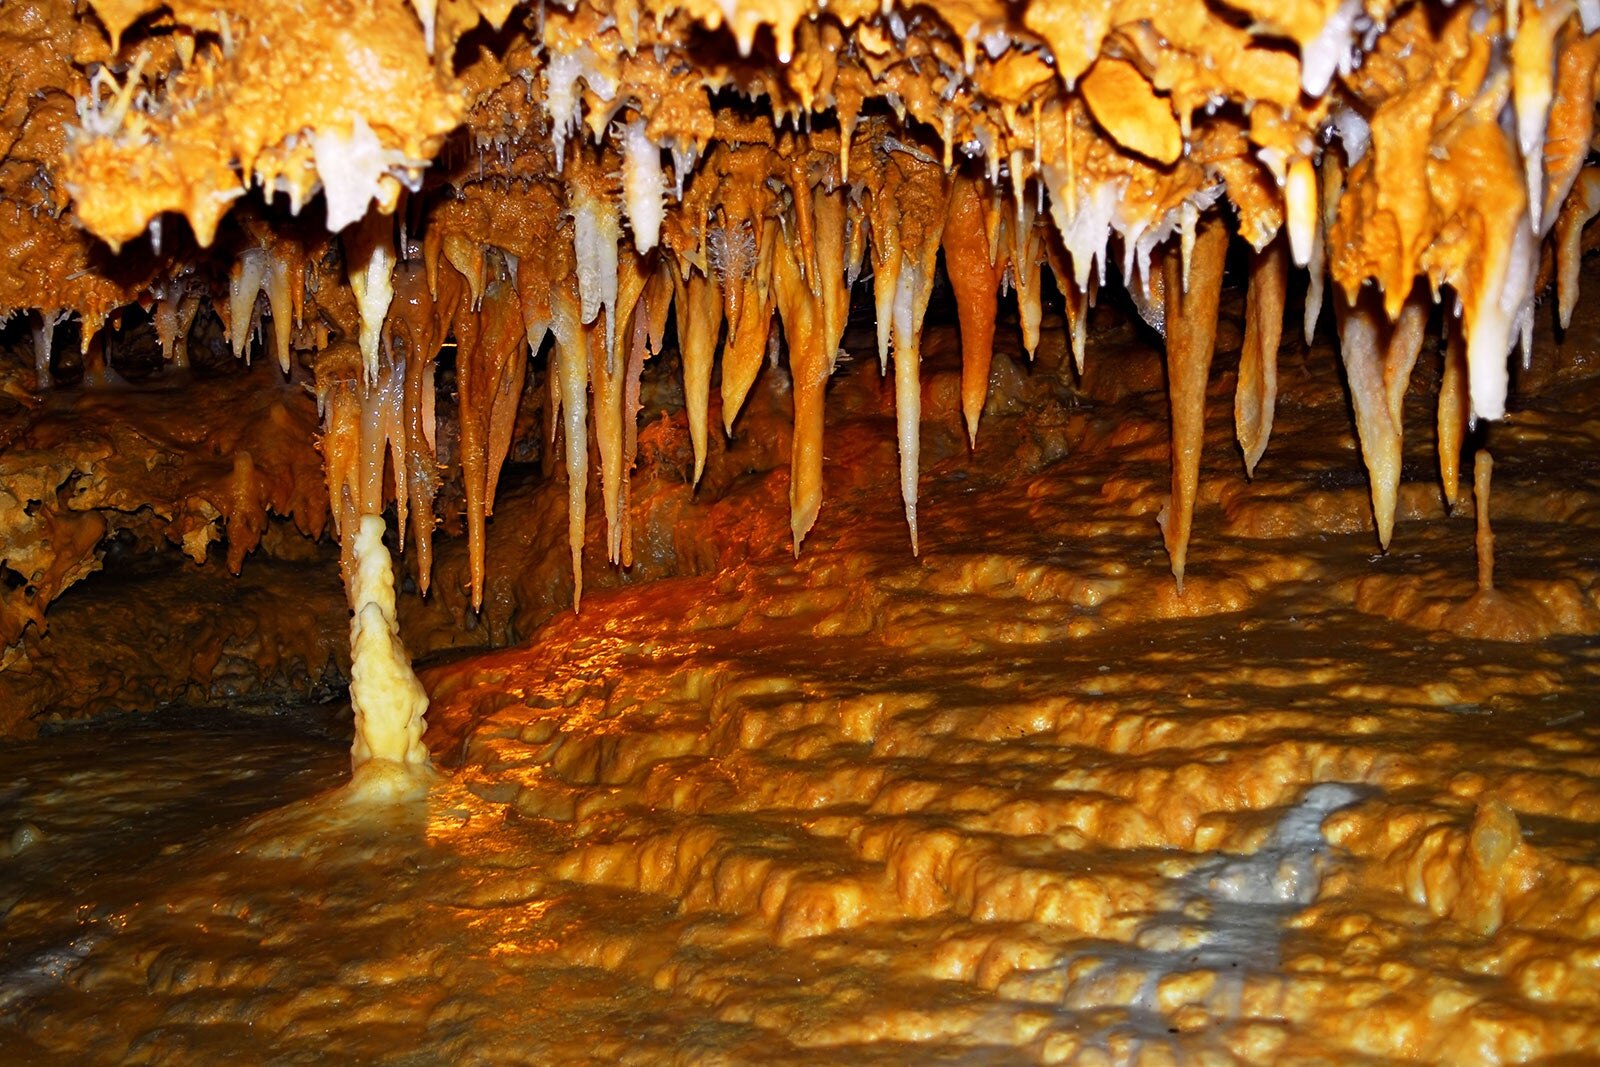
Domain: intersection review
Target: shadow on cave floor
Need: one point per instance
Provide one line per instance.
(90, 812)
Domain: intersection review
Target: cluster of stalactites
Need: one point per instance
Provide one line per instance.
(1429, 149)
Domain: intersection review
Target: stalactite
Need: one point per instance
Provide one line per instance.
(608, 378)
(638, 352)
(1076, 300)
(44, 333)
(244, 286)
(908, 207)
(370, 259)
(1581, 205)
(1255, 395)
(574, 342)
(1027, 257)
(285, 274)
(491, 365)
(976, 284)
(748, 298)
(97, 372)
(813, 325)
(699, 304)
(468, 257)
(1571, 122)
(1454, 409)
(596, 231)
(420, 322)
(1533, 70)
(1495, 283)
(1191, 321)
(1378, 358)
(1482, 474)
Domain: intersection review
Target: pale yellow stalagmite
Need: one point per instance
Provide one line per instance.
(1255, 394)
(1482, 474)
(1453, 410)
(1378, 358)
(976, 282)
(699, 305)
(1191, 320)
(389, 702)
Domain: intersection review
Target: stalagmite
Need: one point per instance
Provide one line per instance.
(1191, 321)
(1482, 473)
(1256, 392)
(976, 283)
(1378, 359)
(388, 701)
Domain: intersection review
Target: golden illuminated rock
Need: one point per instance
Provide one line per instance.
(458, 233)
